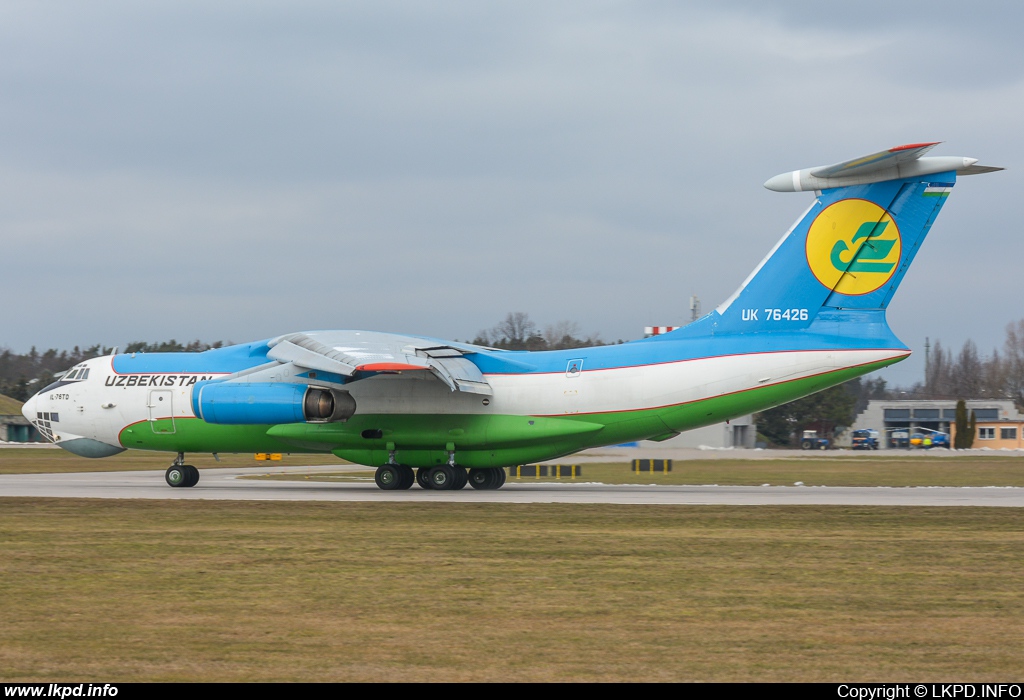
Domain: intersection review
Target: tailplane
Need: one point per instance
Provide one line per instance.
(852, 247)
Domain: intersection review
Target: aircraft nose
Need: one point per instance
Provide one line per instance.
(29, 408)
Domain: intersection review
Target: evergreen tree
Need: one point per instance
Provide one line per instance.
(824, 412)
(960, 442)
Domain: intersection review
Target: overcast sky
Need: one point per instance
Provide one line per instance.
(239, 170)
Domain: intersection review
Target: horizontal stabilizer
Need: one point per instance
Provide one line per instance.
(978, 170)
(896, 163)
(876, 162)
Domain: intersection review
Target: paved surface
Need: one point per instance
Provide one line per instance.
(225, 484)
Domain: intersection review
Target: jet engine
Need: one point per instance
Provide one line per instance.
(236, 403)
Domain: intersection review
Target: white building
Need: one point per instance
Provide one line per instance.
(907, 416)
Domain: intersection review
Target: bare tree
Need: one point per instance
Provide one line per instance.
(1013, 362)
(965, 375)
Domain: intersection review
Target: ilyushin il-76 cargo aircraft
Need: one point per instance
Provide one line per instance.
(443, 414)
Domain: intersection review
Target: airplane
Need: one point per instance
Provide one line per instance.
(446, 414)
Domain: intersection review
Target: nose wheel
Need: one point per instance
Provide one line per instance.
(181, 475)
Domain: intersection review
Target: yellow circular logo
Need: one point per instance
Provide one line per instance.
(853, 247)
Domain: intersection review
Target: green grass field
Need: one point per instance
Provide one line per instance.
(235, 591)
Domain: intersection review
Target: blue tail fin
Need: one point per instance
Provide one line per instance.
(852, 247)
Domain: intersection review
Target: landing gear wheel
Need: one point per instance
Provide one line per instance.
(478, 478)
(461, 478)
(423, 478)
(501, 476)
(389, 477)
(176, 476)
(193, 475)
(486, 479)
(442, 478)
(408, 477)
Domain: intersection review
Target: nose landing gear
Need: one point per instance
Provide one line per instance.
(181, 475)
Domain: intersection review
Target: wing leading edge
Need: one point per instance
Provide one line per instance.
(350, 353)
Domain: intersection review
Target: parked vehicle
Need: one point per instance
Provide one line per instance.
(865, 439)
(926, 441)
(811, 441)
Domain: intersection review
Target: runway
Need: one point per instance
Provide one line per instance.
(225, 484)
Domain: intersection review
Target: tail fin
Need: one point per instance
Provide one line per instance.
(852, 247)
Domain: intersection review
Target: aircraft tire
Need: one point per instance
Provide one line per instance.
(442, 478)
(461, 478)
(423, 478)
(176, 476)
(480, 478)
(408, 477)
(389, 477)
(193, 476)
(486, 479)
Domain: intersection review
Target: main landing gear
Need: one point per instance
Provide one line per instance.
(180, 474)
(444, 477)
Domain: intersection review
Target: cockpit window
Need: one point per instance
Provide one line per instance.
(75, 374)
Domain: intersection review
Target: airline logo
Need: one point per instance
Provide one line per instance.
(853, 247)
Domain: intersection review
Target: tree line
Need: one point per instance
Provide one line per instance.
(23, 375)
(518, 332)
(948, 375)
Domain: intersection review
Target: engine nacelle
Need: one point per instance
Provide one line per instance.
(236, 403)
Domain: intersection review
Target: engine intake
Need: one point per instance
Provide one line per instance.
(231, 403)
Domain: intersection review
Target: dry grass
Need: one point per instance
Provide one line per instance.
(849, 471)
(9, 406)
(874, 470)
(41, 460)
(191, 590)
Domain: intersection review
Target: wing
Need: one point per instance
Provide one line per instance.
(360, 354)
